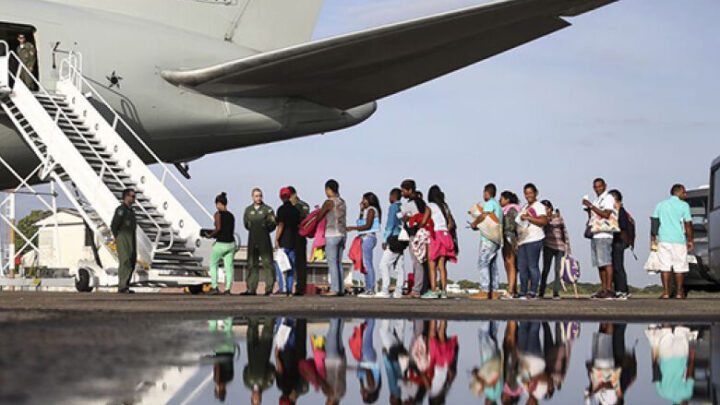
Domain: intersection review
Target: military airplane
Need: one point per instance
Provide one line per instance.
(195, 77)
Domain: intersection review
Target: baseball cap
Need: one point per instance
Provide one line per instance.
(285, 192)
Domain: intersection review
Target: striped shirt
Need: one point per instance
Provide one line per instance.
(556, 234)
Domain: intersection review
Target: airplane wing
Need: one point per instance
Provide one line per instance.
(353, 69)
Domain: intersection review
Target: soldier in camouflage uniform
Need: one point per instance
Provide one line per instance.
(28, 56)
(123, 227)
(259, 220)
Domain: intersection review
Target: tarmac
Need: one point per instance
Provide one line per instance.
(19, 306)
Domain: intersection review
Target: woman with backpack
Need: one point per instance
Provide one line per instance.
(556, 245)
(621, 241)
(442, 247)
(368, 225)
(511, 209)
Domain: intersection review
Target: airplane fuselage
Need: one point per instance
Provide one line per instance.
(179, 124)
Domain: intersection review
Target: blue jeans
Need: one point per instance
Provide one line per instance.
(369, 241)
(368, 348)
(334, 246)
(487, 264)
(529, 338)
(528, 259)
(333, 340)
(286, 285)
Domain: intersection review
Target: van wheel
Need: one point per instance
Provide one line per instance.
(82, 282)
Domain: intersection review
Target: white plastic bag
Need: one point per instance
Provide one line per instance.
(282, 261)
(404, 236)
(282, 336)
(653, 265)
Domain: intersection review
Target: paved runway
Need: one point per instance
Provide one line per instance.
(35, 305)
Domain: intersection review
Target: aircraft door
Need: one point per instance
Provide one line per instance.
(4, 73)
(714, 222)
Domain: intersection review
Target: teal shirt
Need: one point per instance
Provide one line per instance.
(672, 213)
(674, 386)
(492, 205)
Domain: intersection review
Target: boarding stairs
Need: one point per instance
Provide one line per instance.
(76, 135)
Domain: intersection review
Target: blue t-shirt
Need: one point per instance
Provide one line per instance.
(672, 213)
(493, 206)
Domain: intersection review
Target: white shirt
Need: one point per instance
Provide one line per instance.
(438, 217)
(604, 201)
(527, 231)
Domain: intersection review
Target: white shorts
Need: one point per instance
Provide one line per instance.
(673, 257)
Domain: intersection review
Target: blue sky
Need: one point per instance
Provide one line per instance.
(629, 93)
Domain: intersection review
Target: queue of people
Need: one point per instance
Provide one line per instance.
(518, 233)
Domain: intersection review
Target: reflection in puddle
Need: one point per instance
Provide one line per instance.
(334, 361)
(314, 361)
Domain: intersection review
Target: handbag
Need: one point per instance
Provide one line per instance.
(488, 228)
(599, 224)
(396, 245)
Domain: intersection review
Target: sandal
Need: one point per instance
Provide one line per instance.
(664, 297)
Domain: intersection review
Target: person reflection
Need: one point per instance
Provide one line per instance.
(487, 378)
(224, 357)
(512, 389)
(259, 373)
(368, 371)
(531, 361)
(290, 350)
(392, 335)
(443, 359)
(327, 369)
(557, 351)
(613, 368)
(673, 361)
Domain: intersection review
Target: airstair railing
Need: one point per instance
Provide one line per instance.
(69, 71)
(105, 167)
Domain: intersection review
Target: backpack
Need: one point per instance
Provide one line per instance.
(628, 235)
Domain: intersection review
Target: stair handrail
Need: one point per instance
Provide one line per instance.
(106, 168)
(69, 71)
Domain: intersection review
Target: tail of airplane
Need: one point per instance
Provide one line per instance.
(262, 25)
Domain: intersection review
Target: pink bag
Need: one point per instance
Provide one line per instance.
(309, 225)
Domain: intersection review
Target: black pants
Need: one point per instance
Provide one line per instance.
(301, 265)
(618, 263)
(548, 256)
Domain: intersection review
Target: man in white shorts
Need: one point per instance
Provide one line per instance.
(672, 237)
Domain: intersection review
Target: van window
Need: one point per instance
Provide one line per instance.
(716, 188)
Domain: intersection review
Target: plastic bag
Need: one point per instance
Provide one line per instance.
(653, 264)
(282, 261)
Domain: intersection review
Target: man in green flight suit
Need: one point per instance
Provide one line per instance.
(300, 245)
(259, 220)
(123, 228)
(259, 373)
(28, 56)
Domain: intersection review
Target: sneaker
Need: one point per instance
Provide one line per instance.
(383, 294)
(397, 294)
(609, 295)
(521, 297)
(621, 296)
(214, 291)
(367, 294)
(598, 295)
(556, 298)
(430, 295)
(531, 296)
(507, 296)
(443, 295)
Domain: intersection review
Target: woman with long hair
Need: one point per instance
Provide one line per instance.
(511, 208)
(442, 247)
(556, 245)
(334, 211)
(368, 225)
